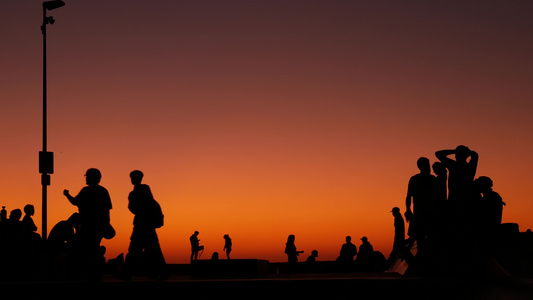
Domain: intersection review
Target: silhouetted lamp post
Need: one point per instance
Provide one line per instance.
(46, 159)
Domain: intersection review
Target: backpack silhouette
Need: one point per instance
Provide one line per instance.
(156, 214)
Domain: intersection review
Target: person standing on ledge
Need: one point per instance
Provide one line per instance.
(195, 246)
(348, 251)
(290, 249)
(227, 245)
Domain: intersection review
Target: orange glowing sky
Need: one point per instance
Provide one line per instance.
(261, 119)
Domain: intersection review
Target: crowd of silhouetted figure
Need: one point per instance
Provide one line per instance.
(454, 225)
(19, 243)
(350, 259)
(73, 248)
(454, 218)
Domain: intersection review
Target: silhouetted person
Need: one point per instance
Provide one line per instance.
(12, 247)
(14, 227)
(348, 251)
(461, 202)
(3, 214)
(484, 236)
(312, 258)
(399, 245)
(61, 237)
(365, 256)
(30, 242)
(195, 246)
(290, 250)
(490, 206)
(30, 236)
(215, 256)
(310, 262)
(461, 177)
(144, 248)
(27, 221)
(227, 245)
(94, 204)
(422, 193)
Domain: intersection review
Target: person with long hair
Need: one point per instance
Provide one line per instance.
(290, 249)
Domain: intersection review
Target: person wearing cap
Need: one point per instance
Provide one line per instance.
(94, 204)
(399, 227)
(366, 247)
(490, 208)
(399, 234)
(195, 245)
(365, 255)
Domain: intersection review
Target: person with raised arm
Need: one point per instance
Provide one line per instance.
(94, 204)
(461, 172)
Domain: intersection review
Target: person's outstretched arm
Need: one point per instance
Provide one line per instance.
(69, 197)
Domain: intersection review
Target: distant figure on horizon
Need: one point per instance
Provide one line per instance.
(227, 245)
(195, 246)
(348, 251)
(144, 243)
(312, 258)
(365, 256)
(365, 248)
(94, 204)
(214, 256)
(310, 262)
(290, 249)
(421, 192)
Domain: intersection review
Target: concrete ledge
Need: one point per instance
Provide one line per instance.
(230, 268)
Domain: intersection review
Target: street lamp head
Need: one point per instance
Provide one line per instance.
(51, 5)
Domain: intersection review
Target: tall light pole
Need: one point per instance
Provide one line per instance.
(46, 159)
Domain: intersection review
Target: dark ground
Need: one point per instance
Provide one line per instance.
(381, 285)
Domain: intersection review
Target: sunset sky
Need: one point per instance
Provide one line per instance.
(261, 119)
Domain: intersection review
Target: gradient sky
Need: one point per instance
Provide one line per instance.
(261, 119)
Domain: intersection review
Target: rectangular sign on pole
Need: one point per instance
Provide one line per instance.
(46, 162)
